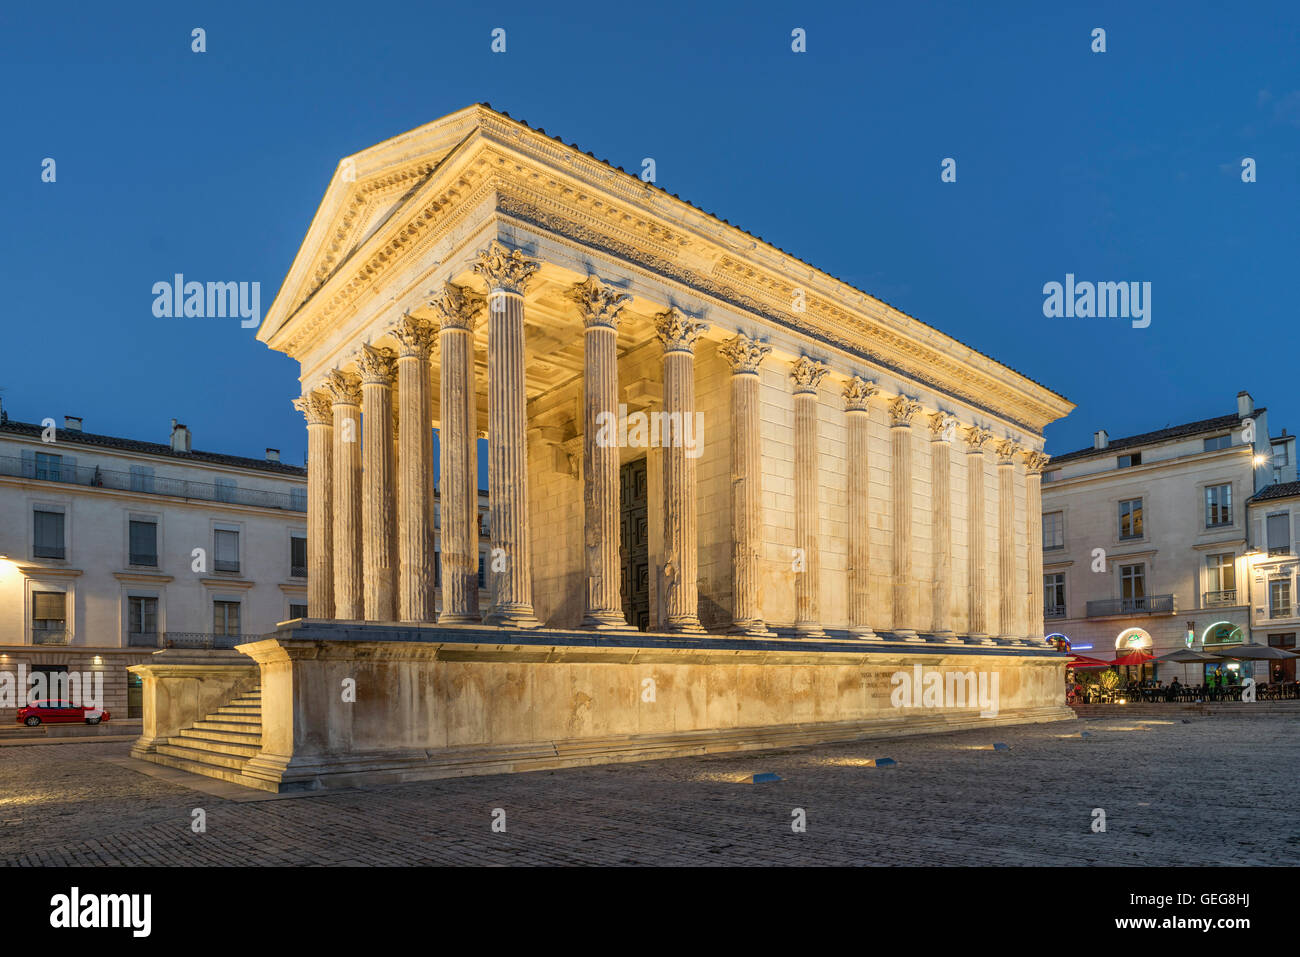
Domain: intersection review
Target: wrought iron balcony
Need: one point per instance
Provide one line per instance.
(92, 476)
(1225, 596)
(202, 639)
(1279, 611)
(1053, 611)
(51, 636)
(143, 639)
(1147, 605)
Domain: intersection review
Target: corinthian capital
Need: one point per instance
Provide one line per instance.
(316, 408)
(600, 304)
(1035, 462)
(344, 388)
(505, 269)
(744, 353)
(414, 337)
(1006, 451)
(940, 425)
(376, 365)
(806, 374)
(678, 331)
(902, 410)
(458, 307)
(857, 394)
(976, 438)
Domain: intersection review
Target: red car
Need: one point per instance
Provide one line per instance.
(55, 712)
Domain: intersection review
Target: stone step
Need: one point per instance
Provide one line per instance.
(219, 741)
(236, 717)
(213, 724)
(201, 756)
(208, 770)
(248, 706)
(240, 734)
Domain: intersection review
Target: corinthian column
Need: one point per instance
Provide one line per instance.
(805, 375)
(345, 390)
(376, 367)
(600, 307)
(415, 486)
(1035, 462)
(976, 552)
(857, 395)
(678, 333)
(315, 406)
(458, 309)
(1006, 452)
(507, 273)
(745, 356)
(901, 412)
(941, 427)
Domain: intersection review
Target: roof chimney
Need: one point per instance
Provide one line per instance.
(180, 437)
(273, 455)
(72, 423)
(1100, 439)
(1245, 404)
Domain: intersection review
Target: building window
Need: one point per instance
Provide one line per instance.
(297, 556)
(1282, 641)
(225, 617)
(1221, 579)
(48, 534)
(225, 488)
(1128, 461)
(1279, 598)
(142, 478)
(1218, 506)
(1054, 595)
(1133, 587)
(298, 499)
(1130, 518)
(144, 543)
(49, 618)
(142, 620)
(297, 611)
(482, 570)
(49, 467)
(1052, 476)
(1053, 530)
(1218, 442)
(225, 550)
(1279, 534)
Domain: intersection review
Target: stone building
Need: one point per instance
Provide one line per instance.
(98, 567)
(696, 443)
(1147, 542)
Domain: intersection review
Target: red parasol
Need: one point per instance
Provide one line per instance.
(1135, 657)
(1083, 661)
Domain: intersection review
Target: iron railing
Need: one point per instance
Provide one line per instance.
(1053, 611)
(1224, 596)
(202, 639)
(143, 639)
(92, 476)
(1279, 611)
(50, 636)
(1147, 605)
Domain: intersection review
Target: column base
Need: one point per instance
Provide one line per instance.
(807, 629)
(605, 621)
(512, 616)
(751, 629)
(864, 633)
(684, 626)
(979, 638)
(907, 634)
(451, 620)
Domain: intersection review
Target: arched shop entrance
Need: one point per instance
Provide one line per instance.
(1130, 640)
(1224, 636)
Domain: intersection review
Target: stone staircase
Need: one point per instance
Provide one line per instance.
(221, 744)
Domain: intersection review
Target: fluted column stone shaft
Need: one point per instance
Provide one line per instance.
(941, 427)
(599, 307)
(901, 412)
(976, 554)
(857, 395)
(415, 486)
(1007, 604)
(380, 577)
(745, 355)
(678, 333)
(1035, 462)
(345, 391)
(507, 273)
(458, 310)
(805, 376)
(319, 412)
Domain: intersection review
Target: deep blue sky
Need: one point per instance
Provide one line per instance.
(1116, 166)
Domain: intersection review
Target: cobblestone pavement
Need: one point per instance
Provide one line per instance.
(1213, 791)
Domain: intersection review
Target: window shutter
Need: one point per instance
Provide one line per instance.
(49, 605)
